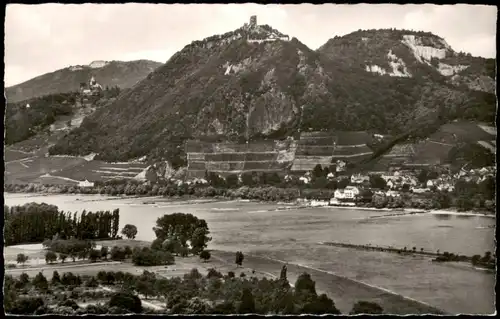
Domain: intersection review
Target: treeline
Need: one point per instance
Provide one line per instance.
(194, 294)
(487, 260)
(33, 222)
(23, 121)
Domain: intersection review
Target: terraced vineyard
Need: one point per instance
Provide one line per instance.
(326, 147)
(233, 158)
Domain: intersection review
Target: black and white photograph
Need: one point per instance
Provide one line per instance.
(249, 158)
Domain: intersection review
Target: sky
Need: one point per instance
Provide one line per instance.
(46, 37)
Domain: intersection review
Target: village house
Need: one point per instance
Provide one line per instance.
(341, 166)
(348, 193)
(418, 190)
(391, 193)
(304, 179)
(391, 184)
(359, 179)
(86, 183)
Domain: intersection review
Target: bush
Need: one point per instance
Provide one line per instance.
(50, 257)
(127, 301)
(148, 257)
(212, 273)
(205, 255)
(26, 306)
(69, 303)
(366, 307)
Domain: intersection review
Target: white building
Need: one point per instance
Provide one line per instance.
(348, 193)
(86, 183)
(304, 179)
(392, 194)
(359, 179)
(419, 190)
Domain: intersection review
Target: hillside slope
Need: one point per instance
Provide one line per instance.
(114, 73)
(236, 86)
(410, 54)
(252, 83)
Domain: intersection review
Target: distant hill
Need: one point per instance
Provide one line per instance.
(254, 83)
(114, 73)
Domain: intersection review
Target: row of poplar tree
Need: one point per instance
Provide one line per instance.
(34, 223)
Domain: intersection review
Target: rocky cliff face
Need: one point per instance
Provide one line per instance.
(402, 53)
(114, 73)
(254, 83)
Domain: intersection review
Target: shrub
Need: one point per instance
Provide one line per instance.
(366, 307)
(126, 301)
(148, 257)
(205, 255)
(212, 273)
(26, 306)
(22, 258)
(69, 303)
(50, 257)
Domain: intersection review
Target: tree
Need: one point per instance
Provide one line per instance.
(145, 287)
(232, 180)
(26, 306)
(247, 303)
(199, 239)
(205, 255)
(63, 257)
(24, 279)
(305, 285)
(40, 282)
(376, 181)
(56, 279)
(130, 231)
(317, 171)
(102, 276)
(22, 259)
(117, 253)
(128, 251)
(239, 258)
(50, 257)
(283, 273)
(366, 307)
(180, 226)
(127, 301)
(94, 255)
(104, 252)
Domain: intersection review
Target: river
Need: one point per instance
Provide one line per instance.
(293, 235)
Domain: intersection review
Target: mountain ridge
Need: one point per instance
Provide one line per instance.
(239, 88)
(123, 74)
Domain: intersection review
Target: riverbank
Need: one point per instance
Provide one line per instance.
(299, 203)
(344, 291)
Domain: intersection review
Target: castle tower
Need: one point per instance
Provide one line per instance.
(253, 22)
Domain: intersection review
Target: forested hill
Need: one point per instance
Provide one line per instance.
(256, 83)
(114, 73)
